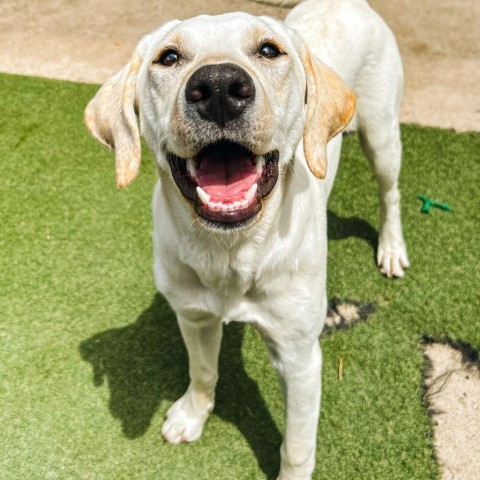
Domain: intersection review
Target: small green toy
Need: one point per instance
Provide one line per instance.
(427, 203)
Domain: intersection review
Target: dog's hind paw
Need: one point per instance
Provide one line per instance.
(392, 257)
(185, 419)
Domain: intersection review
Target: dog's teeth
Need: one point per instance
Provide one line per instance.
(203, 195)
(251, 193)
(226, 207)
(260, 165)
(191, 167)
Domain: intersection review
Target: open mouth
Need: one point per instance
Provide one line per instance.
(225, 181)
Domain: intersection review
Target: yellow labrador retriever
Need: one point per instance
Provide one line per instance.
(242, 117)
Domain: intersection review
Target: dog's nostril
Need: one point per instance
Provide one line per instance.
(201, 92)
(241, 89)
(195, 95)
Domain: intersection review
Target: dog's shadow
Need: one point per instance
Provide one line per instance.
(341, 228)
(146, 362)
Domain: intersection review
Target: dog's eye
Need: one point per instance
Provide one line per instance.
(168, 58)
(268, 50)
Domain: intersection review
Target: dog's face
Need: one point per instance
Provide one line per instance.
(223, 103)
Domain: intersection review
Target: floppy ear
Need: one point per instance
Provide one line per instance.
(110, 118)
(330, 107)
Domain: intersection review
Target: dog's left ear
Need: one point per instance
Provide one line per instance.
(110, 118)
(330, 107)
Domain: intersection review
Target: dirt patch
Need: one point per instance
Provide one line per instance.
(440, 48)
(87, 40)
(453, 396)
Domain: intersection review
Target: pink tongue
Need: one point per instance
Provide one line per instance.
(226, 179)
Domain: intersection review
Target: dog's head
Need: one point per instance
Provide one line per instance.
(223, 103)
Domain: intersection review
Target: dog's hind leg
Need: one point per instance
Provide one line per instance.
(186, 417)
(384, 150)
(379, 91)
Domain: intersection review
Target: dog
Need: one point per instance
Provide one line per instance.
(243, 116)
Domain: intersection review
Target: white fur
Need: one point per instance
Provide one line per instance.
(352, 39)
(271, 274)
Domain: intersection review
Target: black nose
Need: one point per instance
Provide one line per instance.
(220, 92)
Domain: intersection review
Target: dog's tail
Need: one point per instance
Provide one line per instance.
(279, 3)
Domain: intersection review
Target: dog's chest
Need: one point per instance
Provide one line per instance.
(235, 284)
(222, 270)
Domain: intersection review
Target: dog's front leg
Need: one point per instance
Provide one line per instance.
(186, 417)
(299, 366)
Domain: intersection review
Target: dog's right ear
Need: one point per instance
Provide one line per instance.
(111, 114)
(110, 117)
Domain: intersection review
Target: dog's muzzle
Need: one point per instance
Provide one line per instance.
(224, 180)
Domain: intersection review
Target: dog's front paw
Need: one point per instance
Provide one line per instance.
(392, 256)
(283, 476)
(292, 475)
(185, 418)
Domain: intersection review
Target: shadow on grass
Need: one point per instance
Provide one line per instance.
(341, 228)
(146, 362)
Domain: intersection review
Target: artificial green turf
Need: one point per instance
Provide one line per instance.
(91, 356)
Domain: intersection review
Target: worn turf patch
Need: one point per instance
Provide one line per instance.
(345, 313)
(91, 356)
